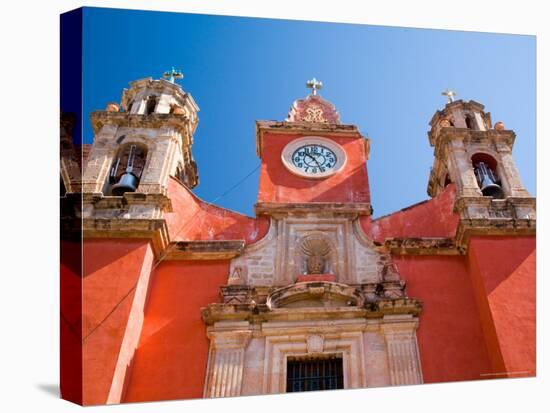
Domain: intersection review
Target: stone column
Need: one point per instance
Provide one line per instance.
(461, 168)
(510, 173)
(403, 359)
(155, 175)
(99, 161)
(225, 361)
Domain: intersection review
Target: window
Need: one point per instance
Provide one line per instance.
(310, 374)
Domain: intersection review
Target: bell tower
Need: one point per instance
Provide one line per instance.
(477, 157)
(137, 145)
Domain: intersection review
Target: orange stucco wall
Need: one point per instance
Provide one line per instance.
(278, 184)
(503, 273)
(450, 337)
(194, 219)
(111, 272)
(170, 361)
(432, 218)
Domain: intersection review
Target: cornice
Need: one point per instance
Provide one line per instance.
(306, 128)
(320, 208)
(204, 250)
(179, 122)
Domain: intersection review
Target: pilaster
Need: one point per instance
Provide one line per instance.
(228, 342)
(402, 348)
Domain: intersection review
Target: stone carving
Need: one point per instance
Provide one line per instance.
(236, 277)
(315, 344)
(315, 249)
(313, 109)
(335, 245)
(314, 114)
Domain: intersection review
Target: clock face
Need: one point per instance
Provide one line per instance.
(313, 157)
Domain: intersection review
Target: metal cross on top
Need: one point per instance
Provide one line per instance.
(314, 84)
(172, 75)
(450, 95)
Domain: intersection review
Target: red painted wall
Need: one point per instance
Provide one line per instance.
(503, 272)
(450, 337)
(431, 218)
(111, 269)
(194, 219)
(278, 184)
(170, 362)
(71, 321)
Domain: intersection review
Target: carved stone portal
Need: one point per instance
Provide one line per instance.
(314, 286)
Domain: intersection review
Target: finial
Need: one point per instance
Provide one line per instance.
(450, 95)
(172, 75)
(314, 84)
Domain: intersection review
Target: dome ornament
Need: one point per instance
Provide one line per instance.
(172, 75)
(450, 95)
(314, 85)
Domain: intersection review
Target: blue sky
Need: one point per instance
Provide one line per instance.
(385, 80)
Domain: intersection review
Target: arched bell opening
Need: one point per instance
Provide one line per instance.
(485, 169)
(470, 121)
(127, 169)
(151, 104)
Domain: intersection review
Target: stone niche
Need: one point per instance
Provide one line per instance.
(309, 244)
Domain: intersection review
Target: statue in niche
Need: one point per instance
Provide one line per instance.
(316, 251)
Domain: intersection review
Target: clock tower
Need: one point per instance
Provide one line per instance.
(312, 158)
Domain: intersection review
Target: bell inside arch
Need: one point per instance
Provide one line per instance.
(487, 181)
(128, 181)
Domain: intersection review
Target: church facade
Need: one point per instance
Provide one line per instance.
(165, 296)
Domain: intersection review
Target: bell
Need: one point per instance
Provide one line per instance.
(487, 181)
(128, 182)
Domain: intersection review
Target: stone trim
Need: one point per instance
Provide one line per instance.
(328, 209)
(422, 246)
(249, 358)
(225, 359)
(204, 250)
(154, 229)
(306, 128)
(278, 348)
(403, 357)
(493, 227)
(250, 310)
(101, 118)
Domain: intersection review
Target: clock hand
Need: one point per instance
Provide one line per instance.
(315, 159)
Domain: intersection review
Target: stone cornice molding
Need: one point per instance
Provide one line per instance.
(307, 128)
(422, 246)
(351, 210)
(204, 250)
(479, 216)
(100, 201)
(157, 231)
(154, 229)
(179, 122)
